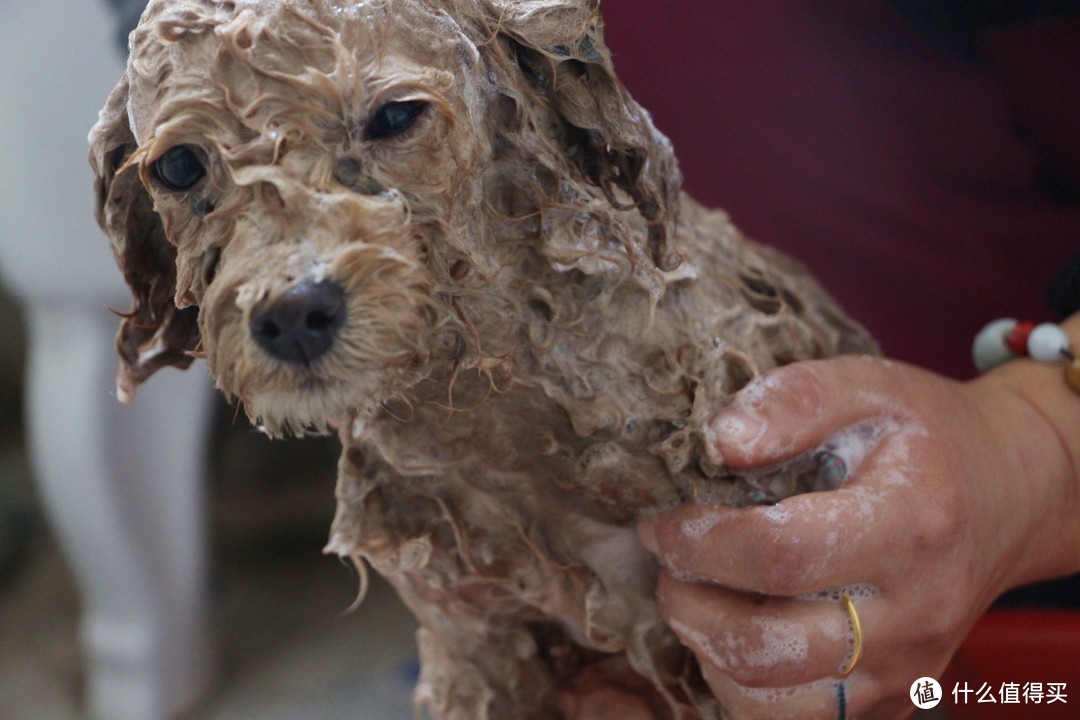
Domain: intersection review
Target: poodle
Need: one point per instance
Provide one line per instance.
(444, 231)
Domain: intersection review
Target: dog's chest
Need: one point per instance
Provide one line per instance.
(496, 525)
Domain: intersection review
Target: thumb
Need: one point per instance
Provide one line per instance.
(794, 408)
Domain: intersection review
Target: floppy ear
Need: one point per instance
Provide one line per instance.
(154, 333)
(559, 46)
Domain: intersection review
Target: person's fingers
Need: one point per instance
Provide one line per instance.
(794, 408)
(762, 642)
(814, 541)
(771, 657)
(818, 700)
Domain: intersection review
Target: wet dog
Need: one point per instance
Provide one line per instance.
(445, 231)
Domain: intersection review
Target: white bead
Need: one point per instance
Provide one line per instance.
(990, 349)
(1046, 343)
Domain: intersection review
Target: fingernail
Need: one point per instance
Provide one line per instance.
(646, 531)
(737, 427)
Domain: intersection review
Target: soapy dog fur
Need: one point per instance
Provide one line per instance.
(512, 317)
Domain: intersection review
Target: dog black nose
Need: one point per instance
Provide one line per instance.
(301, 325)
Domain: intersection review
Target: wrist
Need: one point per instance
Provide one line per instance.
(1037, 420)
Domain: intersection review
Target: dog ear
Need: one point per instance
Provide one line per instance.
(559, 46)
(155, 333)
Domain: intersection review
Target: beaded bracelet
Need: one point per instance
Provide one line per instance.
(1007, 339)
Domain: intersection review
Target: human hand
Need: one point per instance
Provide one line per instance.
(968, 491)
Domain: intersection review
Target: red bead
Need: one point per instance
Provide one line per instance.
(1017, 339)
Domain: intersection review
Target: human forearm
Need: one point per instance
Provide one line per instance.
(1037, 416)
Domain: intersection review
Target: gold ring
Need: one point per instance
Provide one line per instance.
(856, 630)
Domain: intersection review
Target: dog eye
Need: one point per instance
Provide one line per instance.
(179, 169)
(394, 118)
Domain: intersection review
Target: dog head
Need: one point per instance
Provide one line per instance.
(311, 194)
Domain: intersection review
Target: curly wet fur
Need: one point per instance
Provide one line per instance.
(539, 323)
